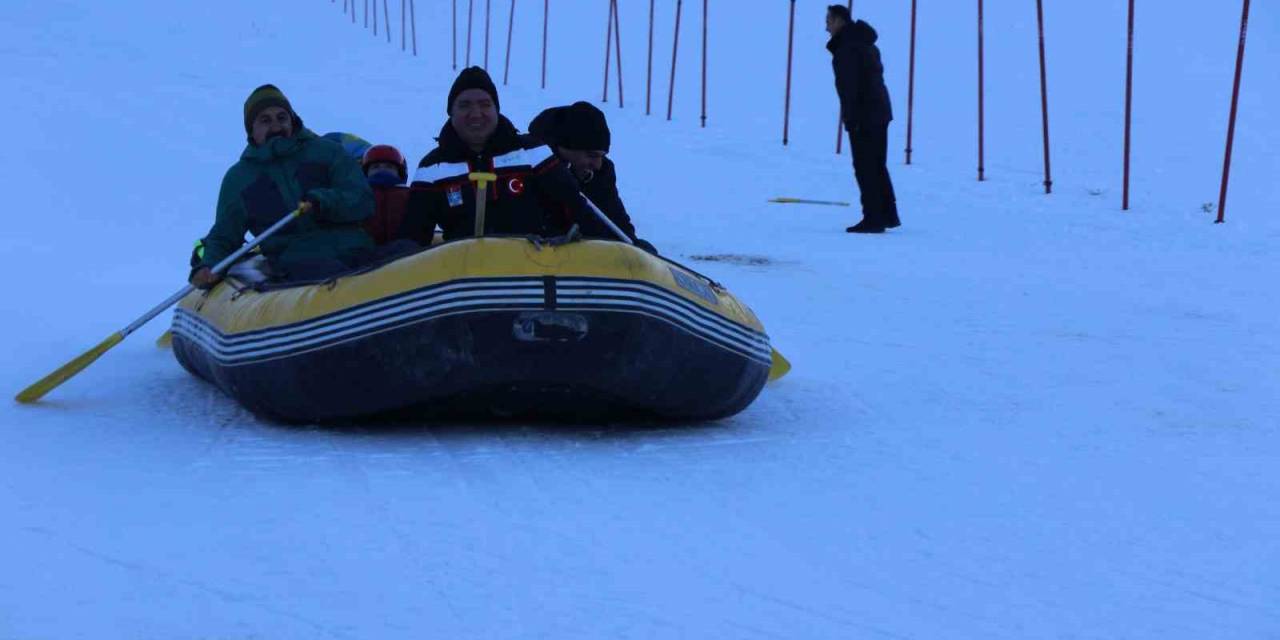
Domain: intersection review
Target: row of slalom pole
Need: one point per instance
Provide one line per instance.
(1044, 97)
(408, 20)
(381, 27)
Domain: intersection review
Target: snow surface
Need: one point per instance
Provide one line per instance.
(1018, 416)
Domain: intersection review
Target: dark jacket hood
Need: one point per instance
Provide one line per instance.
(858, 31)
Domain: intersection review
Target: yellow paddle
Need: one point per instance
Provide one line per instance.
(79, 363)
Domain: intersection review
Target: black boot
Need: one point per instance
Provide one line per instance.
(865, 227)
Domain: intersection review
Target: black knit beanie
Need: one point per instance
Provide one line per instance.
(582, 127)
(473, 78)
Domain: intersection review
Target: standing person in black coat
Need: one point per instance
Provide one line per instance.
(866, 113)
(579, 135)
(534, 195)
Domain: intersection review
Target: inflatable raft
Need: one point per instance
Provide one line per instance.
(490, 325)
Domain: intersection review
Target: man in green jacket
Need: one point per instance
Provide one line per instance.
(286, 166)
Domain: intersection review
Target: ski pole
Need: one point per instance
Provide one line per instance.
(79, 363)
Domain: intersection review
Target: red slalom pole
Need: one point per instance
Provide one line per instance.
(1128, 110)
(675, 47)
(487, 9)
(455, 35)
(648, 81)
(840, 117)
(366, 13)
(608, 50)
(386, 21)
(786, 109)
(470, 7)
(1231, 125)
(704, 64)
(1044, 98)
(911, 82)
(404, 39)
(982, 113)
(511, 25)
(375, 18)
(617, 41)
(413, 28)
(546, 13)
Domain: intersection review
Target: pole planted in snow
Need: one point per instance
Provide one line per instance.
(1044, 98)
(1231, 123)
(386, 21)
(786, 104)
(546, 13)
(470, 13)
(1128, 110)
(404, 40)
(511, 25)
(982, 113)
(911, 82)
(648, 80)
(413, 28)
(675, 48)
(608, 49)
(455, 35)
(704, 64)
(375, 18)
(617, 42)
(487, 7)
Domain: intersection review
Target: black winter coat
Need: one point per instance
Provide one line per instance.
(601, 188)
(534, 194)
(864, 100)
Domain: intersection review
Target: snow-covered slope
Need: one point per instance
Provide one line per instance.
(1016, 416)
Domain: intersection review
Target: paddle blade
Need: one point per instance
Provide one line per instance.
(165, 341)
(779, 366)
(66, 371)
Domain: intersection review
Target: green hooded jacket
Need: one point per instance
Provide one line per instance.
(269, 181)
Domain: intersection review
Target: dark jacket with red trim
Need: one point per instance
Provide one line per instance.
(864, 100)
(534, 193)
(601, 187)
(389, 205)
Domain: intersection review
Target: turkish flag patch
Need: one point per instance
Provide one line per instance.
(515, 186)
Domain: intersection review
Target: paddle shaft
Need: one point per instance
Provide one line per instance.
(482, 180)
(605, 219)
(834, 203)
(78, 364)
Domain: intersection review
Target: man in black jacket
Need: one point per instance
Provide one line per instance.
(866, 113)
(579, 135)
(534, 195)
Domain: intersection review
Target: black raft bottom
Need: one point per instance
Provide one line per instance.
(575, 365)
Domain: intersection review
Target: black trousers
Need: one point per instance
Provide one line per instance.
(870, 148)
